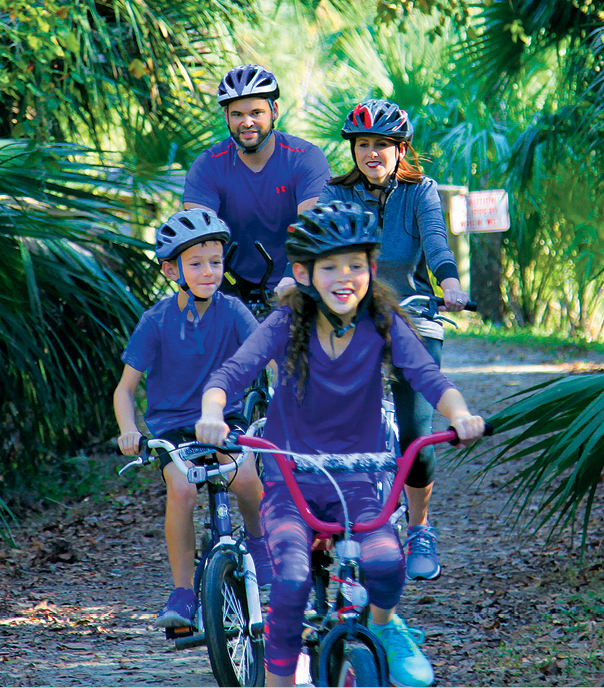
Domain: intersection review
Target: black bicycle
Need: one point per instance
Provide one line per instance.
(229, 621)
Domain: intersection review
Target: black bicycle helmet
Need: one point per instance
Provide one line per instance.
(330, 228)
(247, 81)
(187, 228)
(378, 118)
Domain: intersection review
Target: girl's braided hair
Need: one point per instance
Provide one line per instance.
(381, 309)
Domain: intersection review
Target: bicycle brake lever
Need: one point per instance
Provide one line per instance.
(138, 461)
(439, 318)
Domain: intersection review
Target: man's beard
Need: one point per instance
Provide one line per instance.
(252, 147)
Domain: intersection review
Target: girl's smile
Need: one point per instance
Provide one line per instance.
(342, 280)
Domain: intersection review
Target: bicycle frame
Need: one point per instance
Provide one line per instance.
(214, 475)
(351, 598)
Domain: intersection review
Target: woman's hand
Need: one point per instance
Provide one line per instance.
(453, 295)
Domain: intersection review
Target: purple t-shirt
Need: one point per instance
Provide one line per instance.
(258, 206)
(176, 368)
(341, 409)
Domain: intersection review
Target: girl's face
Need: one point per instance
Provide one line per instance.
(376, 157)
(342, 280)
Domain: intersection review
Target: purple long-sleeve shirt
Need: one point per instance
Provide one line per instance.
(341, 409)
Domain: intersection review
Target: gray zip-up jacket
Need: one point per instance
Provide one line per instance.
(414, 233)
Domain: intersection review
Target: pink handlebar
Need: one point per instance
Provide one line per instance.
(403, 462)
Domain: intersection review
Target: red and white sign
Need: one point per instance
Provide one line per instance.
(480, 211)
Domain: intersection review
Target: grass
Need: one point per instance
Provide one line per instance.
(526, 337)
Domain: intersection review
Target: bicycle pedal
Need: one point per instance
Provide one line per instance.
(179, 632)
(189, 641)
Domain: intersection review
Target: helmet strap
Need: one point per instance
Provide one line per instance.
(339, 329)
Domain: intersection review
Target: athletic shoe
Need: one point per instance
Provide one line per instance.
(422, 559)
(256, 546)
(406, 662)
(180, 609)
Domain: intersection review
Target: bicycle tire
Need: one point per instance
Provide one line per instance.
(255, 406)
(237, 659)
(358, 668)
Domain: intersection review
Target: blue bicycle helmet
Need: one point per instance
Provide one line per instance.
(247, 81)
(335, 226)
(187, 228)
(378, 118)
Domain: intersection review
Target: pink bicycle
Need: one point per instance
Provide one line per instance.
(342, 650)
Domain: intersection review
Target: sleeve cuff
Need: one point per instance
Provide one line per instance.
(445, 271)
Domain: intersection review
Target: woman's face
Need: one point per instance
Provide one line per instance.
(376, 157)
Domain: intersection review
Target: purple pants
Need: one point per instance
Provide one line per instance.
(289, 541)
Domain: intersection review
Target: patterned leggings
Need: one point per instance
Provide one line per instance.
(289, 541)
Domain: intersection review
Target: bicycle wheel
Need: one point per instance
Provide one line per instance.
(358, 667)
(237, 659)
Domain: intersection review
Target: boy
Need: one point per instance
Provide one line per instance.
(179, 342)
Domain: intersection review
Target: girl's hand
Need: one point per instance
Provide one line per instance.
(128, 443)
(211, 430)
(469, 428)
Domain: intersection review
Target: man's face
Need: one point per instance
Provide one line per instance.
(250, 121)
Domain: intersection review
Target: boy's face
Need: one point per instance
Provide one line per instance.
(202, 268)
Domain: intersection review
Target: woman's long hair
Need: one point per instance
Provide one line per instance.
(381, 309)
(407, 171)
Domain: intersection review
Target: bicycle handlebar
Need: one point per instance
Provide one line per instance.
(188, 451)
(403, 462)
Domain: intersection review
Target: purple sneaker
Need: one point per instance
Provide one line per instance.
(180, 610)
(256, 546)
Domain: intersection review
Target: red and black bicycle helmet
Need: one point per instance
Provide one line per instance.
(378, 118)
(247, 81)
(329, 228)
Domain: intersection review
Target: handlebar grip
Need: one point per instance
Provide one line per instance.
(143, 445)
(471, 306)
(489, 429)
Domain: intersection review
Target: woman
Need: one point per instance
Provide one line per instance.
(388, 181)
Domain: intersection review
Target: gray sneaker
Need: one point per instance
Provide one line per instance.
(422, 559)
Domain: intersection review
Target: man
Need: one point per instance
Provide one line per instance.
(258, 179)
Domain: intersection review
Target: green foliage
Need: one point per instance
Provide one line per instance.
(72, 289)
(557, 430)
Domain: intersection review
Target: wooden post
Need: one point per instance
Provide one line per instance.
(458, 243)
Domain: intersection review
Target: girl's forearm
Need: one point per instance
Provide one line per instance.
(452, 405)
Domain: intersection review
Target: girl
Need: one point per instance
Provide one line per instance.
(330, 341)
(387, 181)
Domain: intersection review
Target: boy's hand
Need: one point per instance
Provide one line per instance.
(469, 428)
(211, 430)
(128, 443)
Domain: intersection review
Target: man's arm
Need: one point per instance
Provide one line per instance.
(308, 204)
(187, 206)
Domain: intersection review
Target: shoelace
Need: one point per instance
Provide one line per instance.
(412, 636)
(423, 540)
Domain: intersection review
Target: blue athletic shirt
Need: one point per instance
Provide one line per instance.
(341, 409)
(258, 205)
(176, 368)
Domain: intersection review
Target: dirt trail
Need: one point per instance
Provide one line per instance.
(78, 598)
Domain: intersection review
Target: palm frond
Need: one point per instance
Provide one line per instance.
(556, 435)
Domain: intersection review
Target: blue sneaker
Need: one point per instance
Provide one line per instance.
(407, 664)
(422, 559)
(180, 610)
(256, 546)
